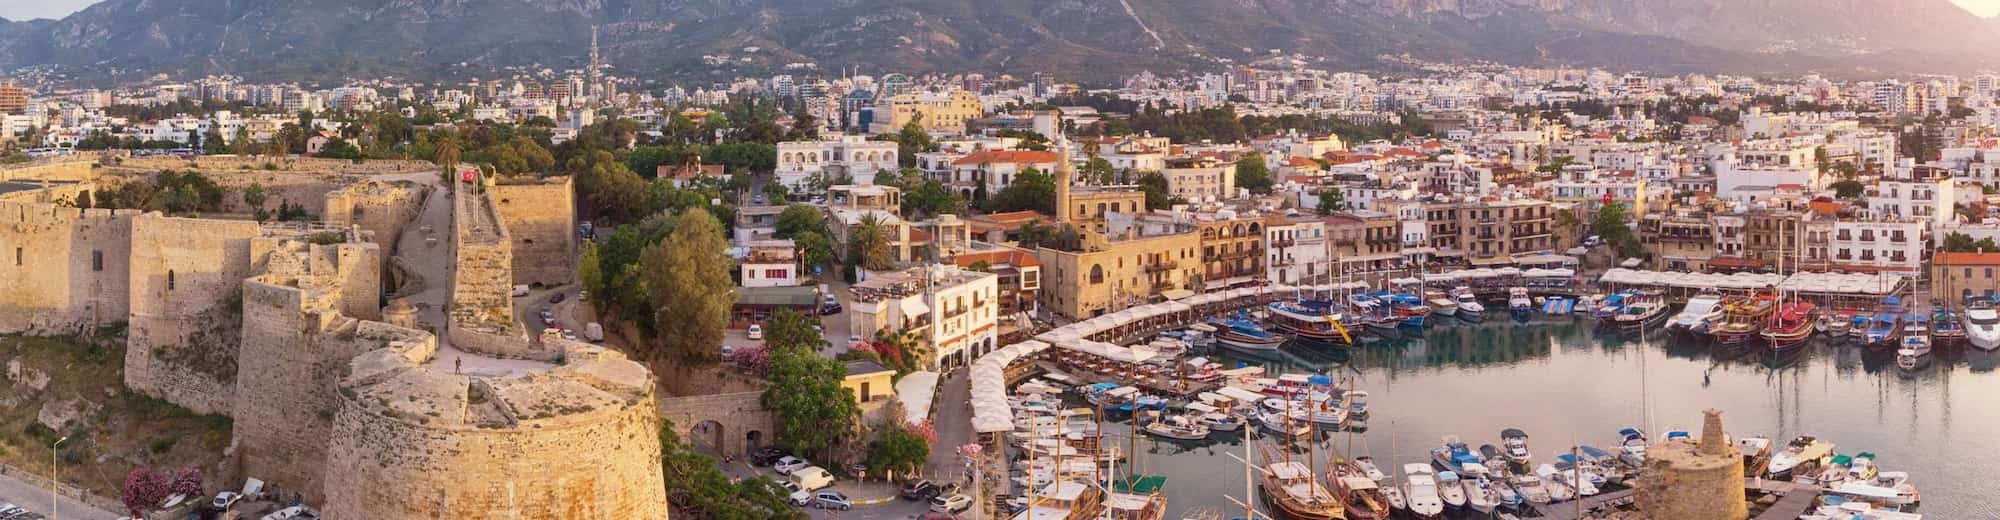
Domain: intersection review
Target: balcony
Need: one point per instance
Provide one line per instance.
(1898, 238)
(1160, 267)
(1283, 243)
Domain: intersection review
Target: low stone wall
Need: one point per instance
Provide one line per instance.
(499, 344)
(41, 481)
(288, 163)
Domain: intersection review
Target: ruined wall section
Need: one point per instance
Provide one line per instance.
(482, 306)
(381, 208)
(540, 217)
(65, 270)
(186, 282)
(579, 441)
(66, 169)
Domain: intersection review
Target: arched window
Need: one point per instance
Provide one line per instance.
(1096, 273)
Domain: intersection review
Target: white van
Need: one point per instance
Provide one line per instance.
(520, 290)
(812, 478)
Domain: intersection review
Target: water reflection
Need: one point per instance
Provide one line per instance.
(1566, 383)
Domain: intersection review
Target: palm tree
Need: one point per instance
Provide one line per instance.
(447, 156)
(870, 243)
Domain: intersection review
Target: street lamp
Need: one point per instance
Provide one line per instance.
(53, 512)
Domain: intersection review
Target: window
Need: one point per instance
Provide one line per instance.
(17, 256)
(776, 274)
(170, 280)
(97, 260)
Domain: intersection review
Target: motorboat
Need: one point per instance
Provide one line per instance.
(1641, 310)
(1862, 467)
(1559, 491)
(1453, 455)
(1293, 424)
(1743, 320)
(1494, 484)
(1840, 323)
(1532, 489)
(1200, 335)
(1590, 471)
(1408, 308)
(1213, 418)
(1376, 316)
(1368, 467)
(1834, 472)
(1441, 304)
(1469, 308)
(1947, 326)
(1519, 303)
(1982, 326)
(1516, 448)
(1885, 330)
(1632, 447)
(1887, 489)
(1317, 321)
(1836, 507)
(1797, 452)
(1702, 310)
(1790, 326)
(1241, 333)
(1360, 492)
(1178, 428)
(1295, 492)
(1479, 495)
(1451, 489)
(1756, 454)
(1566, 480)
(1916, 351)
(1420, 487)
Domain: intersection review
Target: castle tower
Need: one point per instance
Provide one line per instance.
(400, 313)
(1684, 479)
(1065, 173)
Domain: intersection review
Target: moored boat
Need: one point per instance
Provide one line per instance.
(1982, 325)
(1641, 310)
(1885, 329)
(1421, 489)
(1241, 333)
(1838, 325)
(1607, 310)
(1441, 304)
(1797, 452)
(1178, 428)
(1702, 310)
(1916, 350)
(1516, 448)
(1318, 321)
(1947, 327)
(1294, 491)
(1519, 303)
(1790, 326)
(1469, 308)
(1744, 320)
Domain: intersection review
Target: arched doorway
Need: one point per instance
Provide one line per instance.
(706, 436)
(752, 441)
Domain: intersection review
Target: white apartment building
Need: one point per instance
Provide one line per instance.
(799, 161)
(953, 311)
(1928, 201)
(1297, 252)
(1730, 176)
(996, 169)
(768, 263)
(1886, 245)
(1200, 179)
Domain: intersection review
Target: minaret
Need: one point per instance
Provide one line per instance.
(1064, 173)
(596, 68)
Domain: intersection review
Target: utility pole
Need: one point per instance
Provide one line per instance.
(54, 511)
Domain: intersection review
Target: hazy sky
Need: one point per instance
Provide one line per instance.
(27, 9)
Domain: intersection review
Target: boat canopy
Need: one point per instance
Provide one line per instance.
(1239, 394)
(1512, 433)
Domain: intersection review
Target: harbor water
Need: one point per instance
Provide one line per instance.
(1564, 384)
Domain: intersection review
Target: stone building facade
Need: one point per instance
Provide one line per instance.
(540, 218)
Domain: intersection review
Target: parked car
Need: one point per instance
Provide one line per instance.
(832, 500)
(558, 298)
(225, 499)
(292, 513)
(812, 477)
(830, 306)
(793, 494)
(768, 455)
(950, 503)
(583, 296)
(787, 464)
(919, 489)
(520, 290)
(756, 331)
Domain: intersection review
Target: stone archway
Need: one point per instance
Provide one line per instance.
(753, 440)
(736, 416)
(707, 436)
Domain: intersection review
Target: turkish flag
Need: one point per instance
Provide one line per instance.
(468, 175)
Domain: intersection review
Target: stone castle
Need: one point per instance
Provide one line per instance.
(282, 328)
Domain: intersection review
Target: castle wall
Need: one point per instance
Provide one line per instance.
(64, 269)
(541, 221)
(578, 442)
(354, 269)
(738, 416)
(54, 170)
(379, 207)
(186, 278)
(283, 164)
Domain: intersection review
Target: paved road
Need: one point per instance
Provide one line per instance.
(952, 417)
(36, 499)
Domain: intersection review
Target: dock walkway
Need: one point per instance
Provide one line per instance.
(1591, 504)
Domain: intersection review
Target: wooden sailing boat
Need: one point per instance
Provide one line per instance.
(1292, 488)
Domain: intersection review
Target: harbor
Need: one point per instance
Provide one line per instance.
(1567, 381)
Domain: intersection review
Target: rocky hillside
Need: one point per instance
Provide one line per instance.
(1092, 39)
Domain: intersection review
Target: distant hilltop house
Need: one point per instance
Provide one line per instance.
(688, 171)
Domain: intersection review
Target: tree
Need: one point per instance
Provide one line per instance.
(1609, 224)
(1252, 174)
(1331, 200)
(775, 192)
(253, 196)
(145, 489)
(1097, 171)
(897, 450)
(911, 140)
(83, 199)
(931, 198)
(800, 218)
(813, 410)
(814, 248)
(212, 143)
(687, 276)
(1962, 243)
(1158, 194)
(1847, 189)
(338, 148)
(868, 245)
(701, 490)
(1031, 190)
(590, 270)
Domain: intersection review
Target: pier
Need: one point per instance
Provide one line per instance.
(1794, 500)
(1598, 503)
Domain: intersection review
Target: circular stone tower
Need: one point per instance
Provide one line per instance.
(1702, 479)
(413, 439)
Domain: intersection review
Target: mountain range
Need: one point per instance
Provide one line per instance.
(1079, 39)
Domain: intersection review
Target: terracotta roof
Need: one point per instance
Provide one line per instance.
(1014, 216)
(682, 173)
(1301, 162)
(1402, 152)
(1014, 257)
(1006, 156)
(1947, 258)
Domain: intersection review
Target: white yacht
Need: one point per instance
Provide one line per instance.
(1982, 326)
(1701, 310)
(1421, 488)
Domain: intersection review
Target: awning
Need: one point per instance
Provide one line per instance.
(914, 307)
(1176, 294)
